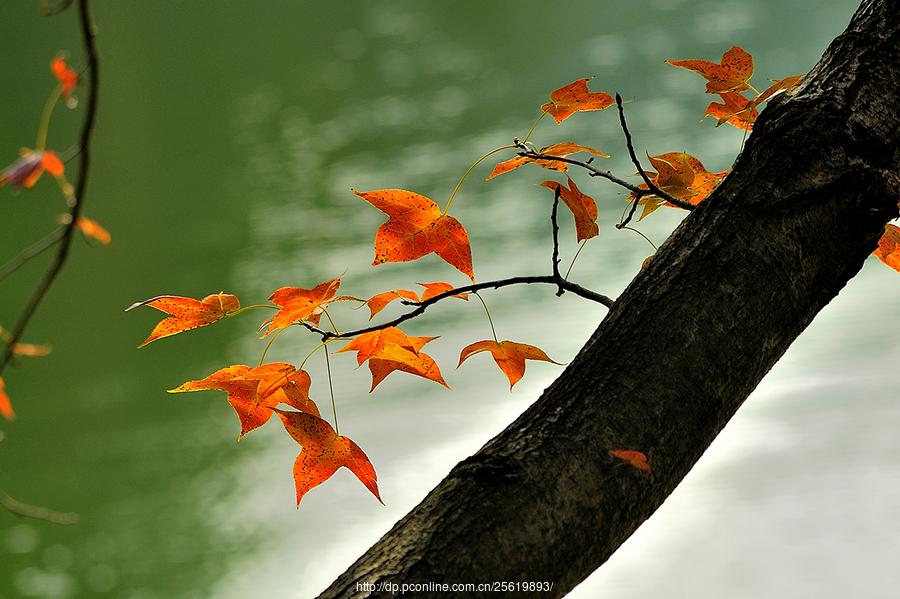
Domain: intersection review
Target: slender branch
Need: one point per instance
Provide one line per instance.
(35, 511)
(35, 249)
(634, 159)
(554, 225)
(592, 170)
(62, 253)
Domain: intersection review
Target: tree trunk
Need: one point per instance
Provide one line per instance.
(682, 348)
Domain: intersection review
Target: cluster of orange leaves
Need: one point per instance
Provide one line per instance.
(416, 227)
(25, 173)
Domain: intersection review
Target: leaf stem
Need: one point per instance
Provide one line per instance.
(312, 351)
(45, 118)
(277, 334)
(488, 312)
(250, 307)
(469, 170)
(337, 429)
(644, 236)
(328, 316)
(575, 257)
(534, 126)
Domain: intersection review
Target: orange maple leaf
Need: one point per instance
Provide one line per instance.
(252, 391)
(509, 356)
(6, 409)
(416, 227)
(298, 304)
(562, 150)
(680, 175)
(391, 349)
(68, 79)
(378, 302)
(26, 171)
(888, 250)
(731, 75)
(583, 208)
(735, 109)
(91, 229)
(575, 97)
(634, 458)
(323, 452)
(186, 313)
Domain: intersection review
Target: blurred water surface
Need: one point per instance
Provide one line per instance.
(228, 141)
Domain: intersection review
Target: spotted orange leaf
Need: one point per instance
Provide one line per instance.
(509, 356)
(26, 171)
(186, 313)
(730, 75)
(583, 208)
(575, 97)
(634, 458)
(68, 79)
(680, 175)
(323, 452)
(298, 304)
(416, 227)
(378, 302)
(888, 250)
(734, 109)
(370, 344)
(437, 288)
(252, 391)
(562, 150)
(6, 409)
(391, 349)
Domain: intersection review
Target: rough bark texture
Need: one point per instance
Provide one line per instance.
(726, 295)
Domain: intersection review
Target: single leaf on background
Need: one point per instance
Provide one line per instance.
(378, 302)
(26, 171)
(731, 75)
(253, 391)
(888, 250)
(31, 350)
(298, 304)
(680, 175)
(93, 230)
(68, 79)
(735, 110)
(370, 344)
(416, 227)
(186, 313)
(575, 97)
(404, 359)
(323, 452)
(561, 149)
(636, 459)
(778, 87)
(6, 409)
(583, 208)
(509, 356)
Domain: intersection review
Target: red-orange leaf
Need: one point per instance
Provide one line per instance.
(735, 110)
(575, 97)
(777, 87)
(509, 356)
(416, 228)
(680, 175)
(6, 409)
(583, 208)
(562, 150)
(391, 349)
(26, 171)
(298, 304)
(31, 350)
(68, 79)
(378, 302)
(186, 313)
(252, 391)
(370, 344)
(634, 458)
(324, 451)
(888, 250)
(437, 288)
(93, 230)
(731, 75)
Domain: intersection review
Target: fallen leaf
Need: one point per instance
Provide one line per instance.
(26, 171)
(731, 75)
(509, 356)
(583, 208)
(6, 409)
(563, 149)
(323, 452)
(253, 391)
(575, 97)
(634, 458)
(187, 313)
(302, 305)
(888, 250)
(416, 227)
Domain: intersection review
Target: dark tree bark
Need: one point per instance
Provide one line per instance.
(720, 303)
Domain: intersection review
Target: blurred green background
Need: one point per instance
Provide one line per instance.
(229, 137)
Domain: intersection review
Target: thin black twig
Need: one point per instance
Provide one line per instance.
(32, 251)
(554, 225)
(65, 242)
